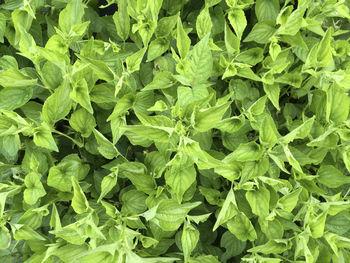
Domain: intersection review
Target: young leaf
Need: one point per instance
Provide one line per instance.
(79, 201)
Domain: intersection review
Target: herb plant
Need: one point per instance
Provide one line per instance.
(175, 131)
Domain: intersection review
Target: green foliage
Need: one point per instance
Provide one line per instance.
(175, 131)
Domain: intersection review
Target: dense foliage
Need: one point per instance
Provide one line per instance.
(175, 131)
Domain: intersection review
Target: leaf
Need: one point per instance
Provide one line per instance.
(241, 227)
(291, 159)
(298, 133)
(290, 200)
(267, 10)
(133, 62)
(70, 166)
(203, 23)
(273, 93)
(201, 62)
(206, 119)
(268, 132)
(272, 246)
(157, 134)
(233, 245)
(261, 32)
(324, 53)
(251, 56)
(58, 105)
(121, 20)
(79, 201)
(180, 178)
(232, 42)
(331, 177)
(317, 225)
(105, 147)
(80, 94)
(189, 239)
(156, 48)
(100, 68)
(165, 26)
(43, 138)
(82, 121)
(170, 215)
(228, 210)
(162, 80)
(14, 78)
(183, 42)
(13, 98)
(246, 152)
(34, 188)
(259, 201)
(137, 174)
(71, 15)
(108, 182)
(238, 21)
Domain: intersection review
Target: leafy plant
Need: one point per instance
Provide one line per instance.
(175, 131)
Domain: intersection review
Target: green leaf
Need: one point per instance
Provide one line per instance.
(261, 32)
(157, 134)
(121, 20)
(70, 166)
(238, 21)
(156, 48)
(170, 215)
(268, 132)
(122, 106)
(58, 105)
(183, 42)
(250, 151)
(338, 105)
(82, 121)
(290, 200)
(291, 23)
(43, 138)
(331, 177)
(162, 80)
(291, 159)
(298, 133)
(272, 246)
(139, 177)
(100, 68)
(13, 98)
(267, 9)
(251, 56)
(232, 42)
(80, 94)
(201, 62)
(241, 227)
(203, 23)
(207, 119)
(71, 15)
(259, 201)
(107, 184)
(189, 240)
(324, 53)
(133, 62)
(317, 225)
(13, 78)
(180, 178)
(291, 79)
(273, 93)
(34, 188)
(165, 26)
(228, 210)
(79, 201)
(105, 147)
